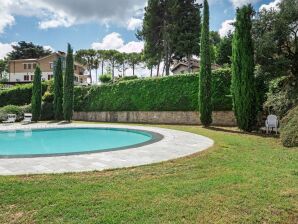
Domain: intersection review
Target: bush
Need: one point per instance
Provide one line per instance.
(105, 78)
(174, 93)
(289, 128)
(11, 109)
(47, 111)
(127, 78)
(48, 97)
(282, 96)
(18, 95)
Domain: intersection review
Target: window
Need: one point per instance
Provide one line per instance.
(51, 65)
(29, 66)
(32, 77)
(25, 66)
(75, 67)
(26, 77)
(50, 77)
(34, 66)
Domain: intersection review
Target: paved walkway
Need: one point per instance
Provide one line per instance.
(175, 144)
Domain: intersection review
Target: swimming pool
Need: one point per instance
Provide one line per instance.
(70, 141)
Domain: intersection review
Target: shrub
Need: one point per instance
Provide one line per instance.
(173, 93)
(47, 111)
(127, 78)
(282, 95)
(18, 95)
(26, 108)
(105, 78)
(11, 109)
(289, 128)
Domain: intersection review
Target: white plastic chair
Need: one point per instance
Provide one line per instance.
(11, 118)
(27, 118)
(271, 123)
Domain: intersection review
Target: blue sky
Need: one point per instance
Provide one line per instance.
(99, 24)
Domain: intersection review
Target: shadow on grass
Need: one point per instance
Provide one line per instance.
(260, 134)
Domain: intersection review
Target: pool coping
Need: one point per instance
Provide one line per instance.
(175, 144)
(156, 137)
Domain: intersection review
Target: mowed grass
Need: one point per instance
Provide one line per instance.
(242, 179)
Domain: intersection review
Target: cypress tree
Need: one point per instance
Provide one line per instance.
(36, 95)
(68, 85)
(205, 101)
(243, 81)
(58, 90)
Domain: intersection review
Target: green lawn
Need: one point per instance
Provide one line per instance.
(242, 179)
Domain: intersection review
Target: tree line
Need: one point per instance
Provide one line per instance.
(108, 61)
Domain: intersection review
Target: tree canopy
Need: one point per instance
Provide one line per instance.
(25, 50)
(167, 37)
(275, 33)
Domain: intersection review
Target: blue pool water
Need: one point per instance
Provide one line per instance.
(68, 141)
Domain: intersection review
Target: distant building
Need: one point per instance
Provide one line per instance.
(181, 67)
(22, 70)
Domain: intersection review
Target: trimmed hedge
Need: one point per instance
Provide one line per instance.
(18, 95)
(174, 93)
(289, 128)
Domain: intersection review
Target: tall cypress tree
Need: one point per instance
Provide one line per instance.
(58, 90)
(68, 85)
(205, 95)
(36, 95)
(243, 81)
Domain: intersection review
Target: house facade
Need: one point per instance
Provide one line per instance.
(181, 67)
(22, 71)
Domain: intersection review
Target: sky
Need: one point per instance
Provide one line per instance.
(97, 24)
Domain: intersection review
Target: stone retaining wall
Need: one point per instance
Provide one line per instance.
(221, 118)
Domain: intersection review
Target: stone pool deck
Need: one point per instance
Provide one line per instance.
(175, 144)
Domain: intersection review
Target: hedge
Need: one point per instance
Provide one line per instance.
(289, 128)
(174, 93)
(18, 95)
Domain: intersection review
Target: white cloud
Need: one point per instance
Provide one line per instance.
(226, 27)
(5, 18)
(5, 49)
(239, 3)
(114, 41)
(47, 47)
(271, 5)
(134, 24)
(132, 46)
(65, 13)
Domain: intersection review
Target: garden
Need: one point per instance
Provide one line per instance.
(245, 175)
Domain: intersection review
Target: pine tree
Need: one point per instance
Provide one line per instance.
(58, 90)
(205, 95)
(187, 30)
(243, 82)
(36, 95)
(68, 85)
